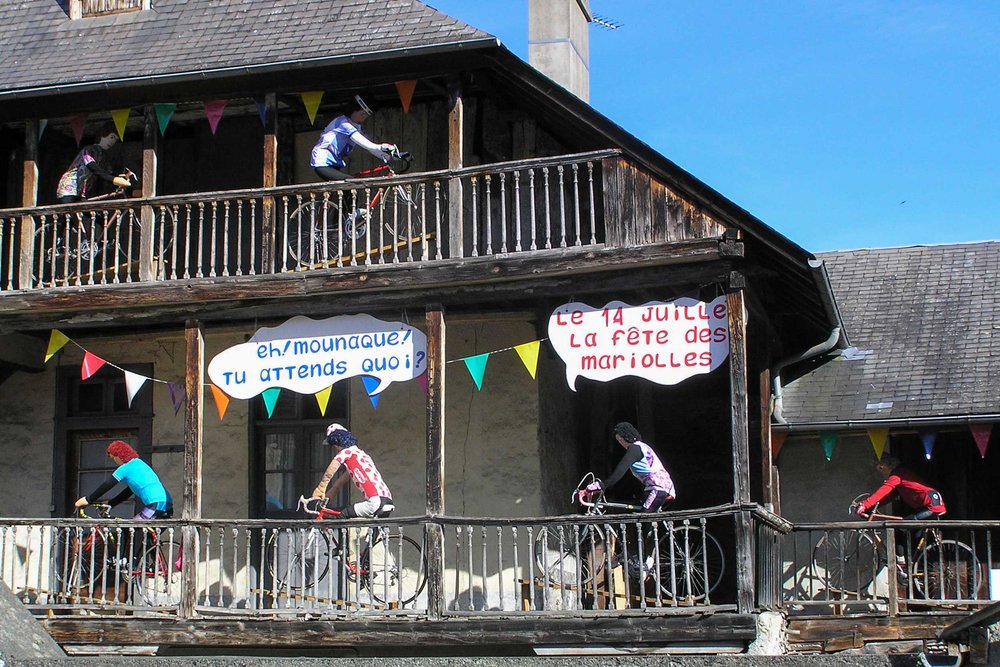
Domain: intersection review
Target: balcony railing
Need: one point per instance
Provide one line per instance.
(498, 209)
(671, 563)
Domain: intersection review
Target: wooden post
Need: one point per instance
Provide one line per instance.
(29, 198)
(435, 458)
(766, 460)
(456, 133)
(194, 386)
(741, 446)
(147, 234)
(268, 245)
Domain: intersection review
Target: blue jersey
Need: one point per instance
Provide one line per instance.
(334, 144)
(144, 483)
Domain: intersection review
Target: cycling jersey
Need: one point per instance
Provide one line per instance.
(79, 178)
(334, 144)
(141, 481)
(911, 490)
(647, 468)
(363, 472)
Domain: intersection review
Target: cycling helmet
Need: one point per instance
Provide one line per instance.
(360, 104)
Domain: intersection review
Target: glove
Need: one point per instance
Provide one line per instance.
(121, 181)
(82, 502)
(389, 149)
(594, 487)
(859, 509)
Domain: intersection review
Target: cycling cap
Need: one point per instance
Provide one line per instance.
(361, 105)
(122, 450)
(341, 438)
(334, 427)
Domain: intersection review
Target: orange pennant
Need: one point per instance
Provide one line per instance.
(405, 90)
(221, 400)
(777, 442)
(91, 364)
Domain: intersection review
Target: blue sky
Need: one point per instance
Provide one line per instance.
(840, 123)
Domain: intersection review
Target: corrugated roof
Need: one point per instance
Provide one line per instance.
(42, 47)
(925, 322)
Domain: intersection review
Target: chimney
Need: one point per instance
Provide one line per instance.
(559, 44)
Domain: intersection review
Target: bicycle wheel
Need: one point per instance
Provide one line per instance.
(393, 570)
(691, 562)
(76, 559)
(314, 232)
(848, 560)
(946, 570)
(563, 553)
(298, 559)
(157, 583)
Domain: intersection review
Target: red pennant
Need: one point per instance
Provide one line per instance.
(78, 122)
(981, 433)
(213, 110)
(422, 379)
(91, 364)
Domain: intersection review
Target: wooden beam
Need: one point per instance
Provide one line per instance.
(194, 412)
(269, 180)
(29, 197)
(839, 633)
(436, 361)
(456, 144)
(147, 233)
(741, 449)
(766, 460)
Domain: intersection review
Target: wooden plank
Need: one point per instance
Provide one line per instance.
(150, 148)
(766, 460)
(611, 176)
(642, 211)
(456, 157)
(436, 362)
(29, 198)
(194, 386)
(839, 633)
(659, 196)
(741, 448)
(269, 180)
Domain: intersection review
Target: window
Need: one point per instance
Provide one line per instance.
(83, 9)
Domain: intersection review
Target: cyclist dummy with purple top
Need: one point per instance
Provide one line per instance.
(339, 138)
(79, 179)
(645, 465)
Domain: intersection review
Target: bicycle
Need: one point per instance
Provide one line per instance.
(98, 559)
(685, 561)
(97, 242)
(933, 568)
(391, 567)
(319, 231)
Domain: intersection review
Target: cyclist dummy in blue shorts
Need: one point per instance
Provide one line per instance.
(645, 465)
(79, 179)
(339, 138)
(140, 481)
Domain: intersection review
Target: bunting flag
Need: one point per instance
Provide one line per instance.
(311, 102)
(164, 111)
(529, 355)
(133, 383)
(91, 364)
(981, 433)
(213, 111)
(477, 367)
(422, 381)
(261, 109)
(371, 384)
(42, 124)
(57, 339)
(777, 442)
(221, 400)
(323, 398)
(270, 397)
(177, 395)
(405, 90)
(878, 436)
(120, 117)
(927, 438)
(829, 440)
(78, 122)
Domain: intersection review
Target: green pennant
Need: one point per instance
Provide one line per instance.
(477, 367)
(270, 397)
(829, 440)
(164, 110)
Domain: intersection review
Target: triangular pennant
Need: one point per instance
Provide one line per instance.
(829, 440)
(120, 116)
(529, 355)
(78, 122)
(261, 109)
(477, 367)
(981, 433)
(311, 101)
(422, 380)
(221, 400)
(57, 339)
(371, 384)
(777, 442)
(270, 397)
(927, 438)
(878, 436)
(164, 111)
(133, 383)
(213, 111)
(323, 399)
(405, 90)
(91, 364)
(42, 124)
(177, 395)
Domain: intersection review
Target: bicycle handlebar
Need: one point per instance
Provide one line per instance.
(103, 509)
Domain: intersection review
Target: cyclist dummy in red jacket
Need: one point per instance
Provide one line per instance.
(911, 489)
(361, 469)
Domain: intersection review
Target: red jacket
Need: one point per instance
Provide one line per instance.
(911, 489)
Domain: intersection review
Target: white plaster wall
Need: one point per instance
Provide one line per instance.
(26, 406)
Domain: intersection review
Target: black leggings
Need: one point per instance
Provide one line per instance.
(331, 173)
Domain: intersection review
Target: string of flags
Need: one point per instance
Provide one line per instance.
(879, 436)
(214, 110)
(475, 364)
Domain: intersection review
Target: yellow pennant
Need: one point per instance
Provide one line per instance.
(56, 341)
(311, 102)
(322, 398)
(121, 120)
(221, 401)
(878, 436)
(529, 355)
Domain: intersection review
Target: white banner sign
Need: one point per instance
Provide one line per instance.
(664, 342)
(307, 356)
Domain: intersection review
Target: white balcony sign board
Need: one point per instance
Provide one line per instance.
(664, 342)
(307, 355)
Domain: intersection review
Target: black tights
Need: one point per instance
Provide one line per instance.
(331, 173)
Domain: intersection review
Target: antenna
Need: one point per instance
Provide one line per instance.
(606, 23)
